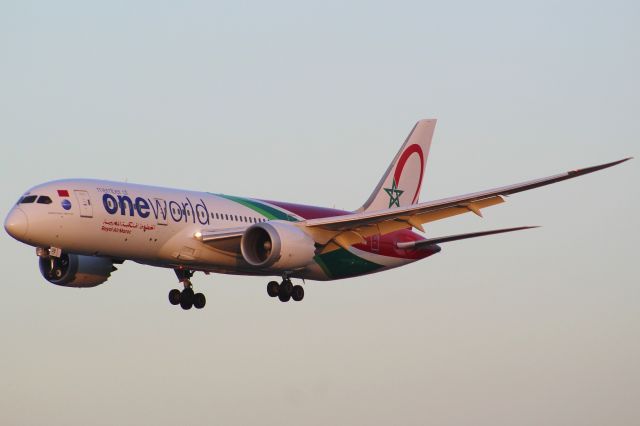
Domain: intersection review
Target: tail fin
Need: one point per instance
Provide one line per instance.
(400, 185)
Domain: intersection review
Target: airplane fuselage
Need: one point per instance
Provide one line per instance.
(157, 226)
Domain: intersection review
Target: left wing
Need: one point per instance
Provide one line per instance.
(226, 241)
(449, 238)
(211, 236)
(354, 228)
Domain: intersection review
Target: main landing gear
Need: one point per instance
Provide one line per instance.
(286, 290)
(186, 298)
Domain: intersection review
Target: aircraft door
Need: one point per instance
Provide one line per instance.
(84, 201)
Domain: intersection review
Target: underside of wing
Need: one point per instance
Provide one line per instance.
(223, 240)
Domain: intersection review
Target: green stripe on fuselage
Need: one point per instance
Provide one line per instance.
(262, 208)
(342, 263)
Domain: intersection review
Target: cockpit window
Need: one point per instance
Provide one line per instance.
(28, 199)
(43, 199)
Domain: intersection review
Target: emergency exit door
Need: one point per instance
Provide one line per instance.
(84, 201)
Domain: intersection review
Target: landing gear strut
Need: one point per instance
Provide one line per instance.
(285, 291)
(186, 298)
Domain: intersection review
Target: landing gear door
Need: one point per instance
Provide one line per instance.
(84, 201)
(161, 209)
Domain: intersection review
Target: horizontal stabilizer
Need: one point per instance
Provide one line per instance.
(439, 240)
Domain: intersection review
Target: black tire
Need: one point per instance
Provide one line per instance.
(186, 299)
(285, 288)
(272, 288)
(174, 296)
(199, 300)
(284, 297)
(297, 293)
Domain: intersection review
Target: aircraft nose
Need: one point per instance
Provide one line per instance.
(16, 223)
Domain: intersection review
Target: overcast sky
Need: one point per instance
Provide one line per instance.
(308, 103)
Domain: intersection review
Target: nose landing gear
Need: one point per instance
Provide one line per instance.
(186, 298)
(285, 291)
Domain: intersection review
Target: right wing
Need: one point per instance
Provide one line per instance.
(353, 228)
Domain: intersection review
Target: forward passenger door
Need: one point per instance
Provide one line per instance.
(84, 201)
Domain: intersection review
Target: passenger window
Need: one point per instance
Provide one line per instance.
(28, 199)
(43, 199)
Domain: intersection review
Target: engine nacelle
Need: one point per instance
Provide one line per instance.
(74, 270)
(277, 245)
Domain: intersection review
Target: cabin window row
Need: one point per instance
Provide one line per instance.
(222, 216)
(237, 218)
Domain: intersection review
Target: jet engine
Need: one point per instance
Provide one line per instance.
(277, 245)
(73, 270)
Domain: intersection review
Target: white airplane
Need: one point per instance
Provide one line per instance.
(82, 227)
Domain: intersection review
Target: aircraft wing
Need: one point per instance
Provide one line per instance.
(449, 238)
(226, 241)
(353, 228)
(220, 235)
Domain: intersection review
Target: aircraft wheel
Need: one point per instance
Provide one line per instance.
(285, 288)
(272, 288)
(297, 293)
(284, 297)
(186, 299)
(199, 300)
(174, 296)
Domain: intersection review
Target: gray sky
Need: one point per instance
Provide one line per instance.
(308, 103)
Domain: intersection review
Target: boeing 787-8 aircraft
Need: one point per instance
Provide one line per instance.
(81, 228)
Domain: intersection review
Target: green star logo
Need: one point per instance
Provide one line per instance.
(394, 194)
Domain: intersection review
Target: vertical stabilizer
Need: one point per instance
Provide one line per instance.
(400, 185)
